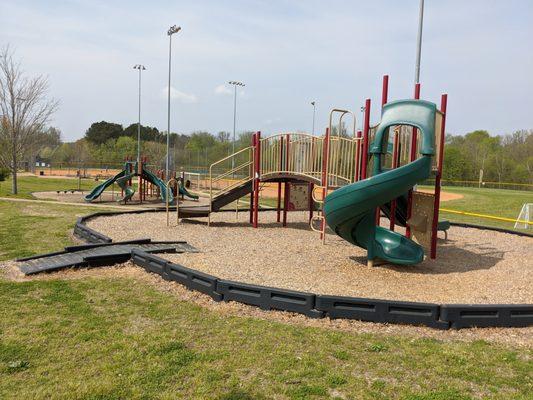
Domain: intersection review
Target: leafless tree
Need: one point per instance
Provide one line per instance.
(25, 109)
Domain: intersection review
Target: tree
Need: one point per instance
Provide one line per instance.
(25, 109)
(147, 133)
(454, 164)
(223, 136)
(44, 145)
(200, 141)
(100, 132)
(479, 144)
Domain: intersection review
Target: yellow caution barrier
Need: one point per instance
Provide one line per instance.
(485, 216)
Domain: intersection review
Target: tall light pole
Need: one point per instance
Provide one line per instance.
(235, 84)
(314, 109)
(419, 41)
(140, 68)
(173, 29)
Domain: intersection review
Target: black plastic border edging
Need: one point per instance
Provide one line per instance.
(487, 315)
(90, 235)
(390, 311)
(268, 298)
(190, 278)
(437, 316)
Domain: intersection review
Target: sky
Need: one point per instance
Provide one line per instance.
(288, 53)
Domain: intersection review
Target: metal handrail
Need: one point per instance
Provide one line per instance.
(315, 199)
(231, 171)
(313, 219)
(246, 164)
(230, 156)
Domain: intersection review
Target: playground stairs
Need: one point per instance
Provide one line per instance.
(217, 203)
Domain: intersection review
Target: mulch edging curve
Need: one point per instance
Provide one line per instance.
(438, 316)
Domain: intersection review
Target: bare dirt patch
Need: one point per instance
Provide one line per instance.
(444, 196)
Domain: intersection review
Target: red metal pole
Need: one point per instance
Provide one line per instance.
(436, 206)
(253, 183)
(257, 177)
(278, 215)
(366, 129)
(286, 187)
(385, 90)
(310, 188)
(412, 157)
(287, 190)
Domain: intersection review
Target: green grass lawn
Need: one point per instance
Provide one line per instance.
(29, 184)
(30, 228)
(496, 202)
(120, 338)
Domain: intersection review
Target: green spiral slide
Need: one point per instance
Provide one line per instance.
(350, 210)
(123, 183)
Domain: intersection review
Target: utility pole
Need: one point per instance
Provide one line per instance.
(419, 41)
(140, 68)
(173, 29)
(314, 109)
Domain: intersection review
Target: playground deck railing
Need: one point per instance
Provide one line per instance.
(292, 153)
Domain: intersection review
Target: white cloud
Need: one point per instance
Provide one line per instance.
(183, 97)
(222, 89)
(272, 121)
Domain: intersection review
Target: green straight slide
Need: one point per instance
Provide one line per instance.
(154, 179)
(350, 210)
(99, 189)
(185, 192)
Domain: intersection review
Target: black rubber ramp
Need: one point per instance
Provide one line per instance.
(98, 255)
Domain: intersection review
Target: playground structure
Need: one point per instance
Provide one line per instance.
(350, 178)
(347, 180)
(148, 183)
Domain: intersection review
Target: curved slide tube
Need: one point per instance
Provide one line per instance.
(350, 210)
(123, 183)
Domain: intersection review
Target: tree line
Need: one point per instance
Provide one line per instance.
(480, 156)
(107, 144)
(504, 158)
